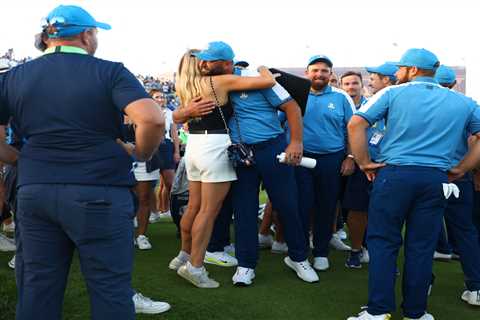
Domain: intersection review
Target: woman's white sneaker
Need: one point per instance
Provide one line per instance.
(303, 269)
(321, 263)
(243, 276)
(199, 279)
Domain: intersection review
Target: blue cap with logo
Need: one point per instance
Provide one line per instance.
(420, 58)
(216, 50)
(386, 69)
(445, 75)
(69, 20)
(320, 58)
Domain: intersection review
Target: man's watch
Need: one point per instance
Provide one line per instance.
(350, 156)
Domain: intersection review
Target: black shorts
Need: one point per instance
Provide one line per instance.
(357, 192)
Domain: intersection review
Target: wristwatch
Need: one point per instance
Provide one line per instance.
(350, 156)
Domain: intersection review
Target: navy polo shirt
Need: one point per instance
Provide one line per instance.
(69, 106)
(425, 122)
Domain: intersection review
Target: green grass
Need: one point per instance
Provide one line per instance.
(275, 294)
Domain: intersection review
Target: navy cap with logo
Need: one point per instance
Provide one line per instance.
(70, 20)
(320, 58)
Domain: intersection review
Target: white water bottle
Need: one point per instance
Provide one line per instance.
(305, 162)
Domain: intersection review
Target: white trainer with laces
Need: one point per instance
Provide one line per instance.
(364, 315)
(230, 249)
(243, 276)
(279, 247)
(154, 217)
(148, 306)
(198, 279)
(265, 241)
(338, 244)
(426, 316)
(442, 256)
(303, 269)
(9, 228)
(220, 258)
(11, 263)
(176, 263)
(165, 215)
(471, 297)
(6, 244)
(364, 257)
(143, 243)
(321, 263)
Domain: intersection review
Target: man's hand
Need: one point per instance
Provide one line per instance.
(455, 174)
(128, 147)
(294, 153)
(370, 169)
(199, 108)
(348, 167)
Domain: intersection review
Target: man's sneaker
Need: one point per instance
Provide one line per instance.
(279, 247)
(321, 263)
(261, 210)
(364, 256)
(220, 258)
(143, 243)
(243, 276)
(198, 279)
(148, 306)
(6, 244)
(342, 234)
(442, 256)
(230, 249)
(265, 241)
(353, 260)
(154, 217)
(9, 228)
(11, 263)
(303, 269)
(338, 244)
(471, 297)
(426, 316)
(455, 256)
(364, 315)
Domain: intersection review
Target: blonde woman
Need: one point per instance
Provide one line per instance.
(209, 170)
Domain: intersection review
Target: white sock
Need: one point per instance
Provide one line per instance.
(193, 269)
(182, 255)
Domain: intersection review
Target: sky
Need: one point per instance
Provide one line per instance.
(149, 37)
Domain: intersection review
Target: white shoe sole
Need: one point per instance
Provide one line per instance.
(163, 309)
(289, 263)
(243, 283)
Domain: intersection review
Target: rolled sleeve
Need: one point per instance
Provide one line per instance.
(277, 95)
(376, 108)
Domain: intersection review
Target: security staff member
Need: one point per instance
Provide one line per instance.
(326, 116)
(424, 124)
(74, 178)
(357, 191)
(458, 214)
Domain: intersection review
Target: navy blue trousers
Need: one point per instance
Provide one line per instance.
(279, 182)
(318, 189)
(53, 221)
(410, 196)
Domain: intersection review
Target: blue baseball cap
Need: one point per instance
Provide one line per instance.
(445, 75)
(386, 69)
(71, 20)
(217, 50)
(420, 58)
(320, 58)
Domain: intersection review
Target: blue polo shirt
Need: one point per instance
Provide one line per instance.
(325, 121)
(462, 147)
(425, 122)
(69, 106)
(256, 111)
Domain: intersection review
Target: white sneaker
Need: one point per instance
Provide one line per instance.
(6, 244)
(342, 234)
(471, 297)
(143, 243)
(230, 249)
(303, 269)
(364, 315)
(154, 217)
(11, 263)
(364, 257)
(200, 279)
(148, 306)
(261, 210)
(220, 258)
(338, 244)
(279, 247)
(243, 276)
(9, 228)
(176, 263)
(321, 263)
(426, 316)
(165, 215)
(265, 241)
(135, 222)
(442, 256)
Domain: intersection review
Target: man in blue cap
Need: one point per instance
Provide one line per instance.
(458, 213)
(325, 120)
(256, 122)
(425, 122)
(74, 174)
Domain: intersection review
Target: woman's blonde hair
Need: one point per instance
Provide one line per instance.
(188, 83)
